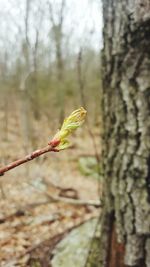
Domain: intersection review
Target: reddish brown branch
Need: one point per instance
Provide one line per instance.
(27, 158)
(59, 141)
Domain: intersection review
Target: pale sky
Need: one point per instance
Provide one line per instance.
(83, 22)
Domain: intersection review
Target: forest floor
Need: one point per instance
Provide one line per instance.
(33, 218)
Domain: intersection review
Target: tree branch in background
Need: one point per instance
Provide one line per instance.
(72, 201)
(81, 81)
(57, 17)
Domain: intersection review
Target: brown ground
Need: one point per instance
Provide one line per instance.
(29, 228)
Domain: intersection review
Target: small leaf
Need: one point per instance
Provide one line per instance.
(64, 144)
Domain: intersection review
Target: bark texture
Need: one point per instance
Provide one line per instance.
(126, 152)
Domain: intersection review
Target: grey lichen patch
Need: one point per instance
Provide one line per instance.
(142, 211)
(147, 252)
(122, 188)
(119, 219)
(130, 184)
(134, 250)
(143, 80)
(139, 164)
(114, 186)
(142, 12)
(73, 250)
(129, 219)
(120, 227)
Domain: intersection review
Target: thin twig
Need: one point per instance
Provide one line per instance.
(59, 141)
(52, 199)
(74, 201)
(27, 158)
(66, 200)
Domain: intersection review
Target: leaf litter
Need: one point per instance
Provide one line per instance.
(31, 223)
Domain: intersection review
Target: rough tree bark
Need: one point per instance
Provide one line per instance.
(125, 218)
(125, 238)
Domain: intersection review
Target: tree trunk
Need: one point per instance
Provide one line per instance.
(125, 238)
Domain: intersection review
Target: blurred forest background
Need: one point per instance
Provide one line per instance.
(49, 66)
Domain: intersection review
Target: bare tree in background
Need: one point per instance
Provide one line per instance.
(57, 20)
(25, 104)
(29, 81)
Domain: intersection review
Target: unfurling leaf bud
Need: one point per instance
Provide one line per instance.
(70, 124)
